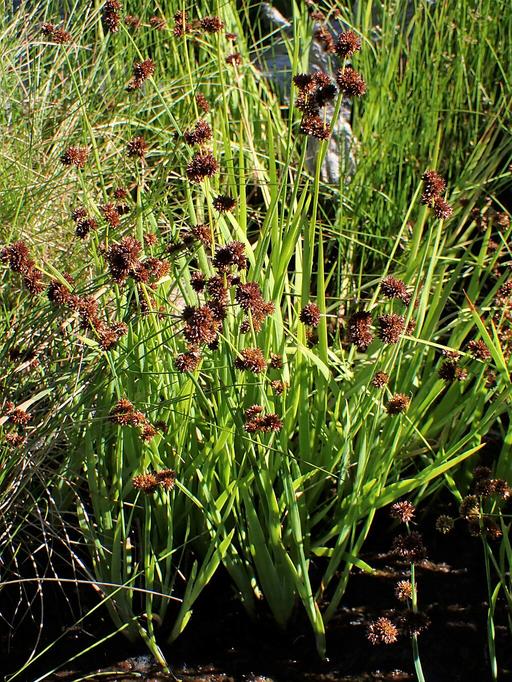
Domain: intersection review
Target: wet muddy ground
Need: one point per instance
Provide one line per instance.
(222, 645)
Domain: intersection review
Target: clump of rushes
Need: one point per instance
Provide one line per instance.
(382, 631)
(433, 186)
(256, 420)
(394, 288)
(251, 360)
(141, 72)
(111, 16)
(84, 224)
(359, 330)
(137, 147)
(199, 134)
(350, 82)
(57, 35)
(310, 315)
(390, 327)
(211, 24)
(348, 43)
(380, 379)
(202, 165)
(75, 156)
(149, 482)
(398, 403)
(224, 203)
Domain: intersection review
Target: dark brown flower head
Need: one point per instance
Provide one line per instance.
(249, 296)
(137, 147)
(403, 590)
(187, 362)
(470, 507)
(166, 478)
(203, 165)
(234, 59)
(314, 126)
(202, 233)
(304, 82)
(382, 631)
(409, 547)
(110, 15)
(57, 35)
(199, 134)
(276, 361)
(380, 379)
(251, 360)
(413, 623)
(141, 72)
(491, 529)
(391, 327)
(109, 336)
(87, 307)
(325, 38)
(350, 82)
(433, 186)
(502, 488)
(201, 325)
(148, 432)
(310, 315)
(503, 296)
(347, 44)
(481, 472)
(479, 350)
(58, 293)
(75, 156)
(257, 421)
(132, 22)
(202, 102)
(230, 255)
(450, 371)
(224, 204)
(359, 330)
(181, 25)
(398, 403)
(442, 208)
(403, 511)
(15, 440)
(444, 524)
(150, 239)
(316, 15)
(198, 281)
(395, 289)
(121, 412)
(147, 483)
(278, 386)
(123, 257)
(17, 257)
(18, 416)
(32, 280)
(158, 23)
(211, 24)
